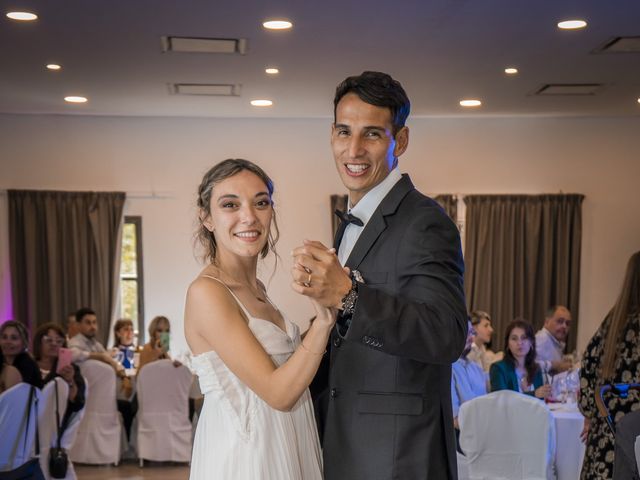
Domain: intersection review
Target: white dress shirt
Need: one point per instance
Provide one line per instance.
(548, 349)
(82, 346)
(364, 211)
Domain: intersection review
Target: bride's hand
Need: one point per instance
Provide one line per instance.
(324, 316)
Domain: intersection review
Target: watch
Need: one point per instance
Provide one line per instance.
(350, 299)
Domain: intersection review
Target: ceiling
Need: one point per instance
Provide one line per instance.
(441, 51)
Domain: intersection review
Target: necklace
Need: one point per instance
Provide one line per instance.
(245, 284)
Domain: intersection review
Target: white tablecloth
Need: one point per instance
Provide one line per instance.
(569, 447)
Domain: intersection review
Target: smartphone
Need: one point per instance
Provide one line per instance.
(64, 358)
(164, 341)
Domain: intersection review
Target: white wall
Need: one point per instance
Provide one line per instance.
(596, 157)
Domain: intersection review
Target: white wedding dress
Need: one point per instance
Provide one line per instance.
(239, 436)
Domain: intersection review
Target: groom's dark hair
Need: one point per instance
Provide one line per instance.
(379, 89)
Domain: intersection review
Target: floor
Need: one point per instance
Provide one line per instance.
(130, 470)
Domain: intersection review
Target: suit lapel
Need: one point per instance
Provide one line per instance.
(377, 223)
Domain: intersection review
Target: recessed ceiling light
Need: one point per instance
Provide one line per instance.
(572, 24)
(277, 24)
(272, 71)
(54, 66)
(470, 103)
(638, 100)
(261, 103)
(22, 16)
(75, 99)
(510, 70)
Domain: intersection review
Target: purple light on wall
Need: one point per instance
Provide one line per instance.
(6, 303)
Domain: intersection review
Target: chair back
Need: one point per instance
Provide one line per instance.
(163, 426)
(47, 411)
(47, 423)
(100, 430)
(637, 449)
(13, 424)
(507, 435)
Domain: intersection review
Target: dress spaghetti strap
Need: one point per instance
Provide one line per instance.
(235, 297)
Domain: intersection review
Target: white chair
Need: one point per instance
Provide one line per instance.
(47, 419)
(12, 426)
(507, 435)
(99, 433)
(463, 467)
(637, 449)
(47, 425)
(163, 429)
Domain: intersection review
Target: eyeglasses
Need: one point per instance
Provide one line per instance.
(53, 340)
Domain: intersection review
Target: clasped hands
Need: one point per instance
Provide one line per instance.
(317, 274)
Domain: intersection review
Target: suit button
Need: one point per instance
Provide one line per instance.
(366, 339)
(337, 342)
(333, 393)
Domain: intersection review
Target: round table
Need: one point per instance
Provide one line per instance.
(569, 448)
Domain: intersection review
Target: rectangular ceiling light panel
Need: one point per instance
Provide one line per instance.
(223, 90)
(569, 89)
(204, 45)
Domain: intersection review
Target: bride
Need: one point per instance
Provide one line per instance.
(257, 420)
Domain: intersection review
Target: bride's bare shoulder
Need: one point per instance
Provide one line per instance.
(208, 296)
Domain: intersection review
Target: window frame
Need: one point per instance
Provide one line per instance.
(136, 220)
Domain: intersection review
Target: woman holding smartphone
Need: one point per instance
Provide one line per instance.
(54, 360)
(158, 346)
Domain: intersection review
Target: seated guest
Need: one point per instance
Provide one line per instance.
(84, 346)
(480, 352)
(551, 338)
(158, 346)
(9, 375)
(123, 335)
(518, 371)
(14, 340)
(46, 344)
(468, 380)
(72, 326)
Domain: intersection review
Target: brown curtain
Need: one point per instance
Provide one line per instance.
(450, 205)
(522, 255)
(63, 254)
(338, 202)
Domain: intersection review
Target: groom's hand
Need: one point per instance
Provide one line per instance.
(317, 273)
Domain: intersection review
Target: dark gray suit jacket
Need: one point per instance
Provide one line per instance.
(388, 412)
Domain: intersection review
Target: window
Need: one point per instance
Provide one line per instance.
(131, 284)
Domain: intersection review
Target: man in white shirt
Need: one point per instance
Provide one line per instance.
(84, 345)
(550, 340)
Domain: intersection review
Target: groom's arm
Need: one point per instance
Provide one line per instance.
(427, 319)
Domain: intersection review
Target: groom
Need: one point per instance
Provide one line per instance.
(402, 319)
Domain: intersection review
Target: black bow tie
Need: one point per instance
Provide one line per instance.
(347, 218)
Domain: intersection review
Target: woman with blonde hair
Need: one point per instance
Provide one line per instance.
(612, 356)
(157, 348)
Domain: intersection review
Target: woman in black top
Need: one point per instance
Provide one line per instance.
(14, 340)
(46, 345)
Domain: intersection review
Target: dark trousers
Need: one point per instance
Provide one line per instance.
(128, 410)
